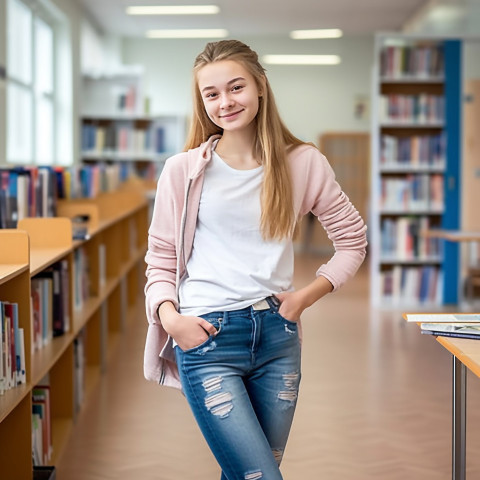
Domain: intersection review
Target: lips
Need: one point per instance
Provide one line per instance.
(232, 114)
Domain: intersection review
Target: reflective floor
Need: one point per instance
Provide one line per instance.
(375, 403)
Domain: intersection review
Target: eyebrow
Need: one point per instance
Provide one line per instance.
(228, 83)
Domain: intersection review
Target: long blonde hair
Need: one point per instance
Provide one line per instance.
(272, 137)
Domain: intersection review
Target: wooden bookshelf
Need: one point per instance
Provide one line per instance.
(15, 404)
(118, 239)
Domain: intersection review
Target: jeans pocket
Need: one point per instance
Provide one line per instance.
(292, 323)
(203, 346)
(217, 321)
(275, 308)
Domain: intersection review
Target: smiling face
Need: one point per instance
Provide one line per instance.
(230, 94)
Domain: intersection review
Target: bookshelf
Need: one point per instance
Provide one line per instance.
(117, 126)
(415, 148)
(142, 143)
(111, 272)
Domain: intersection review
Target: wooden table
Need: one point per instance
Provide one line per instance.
(466, 354)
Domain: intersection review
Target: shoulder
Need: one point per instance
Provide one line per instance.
(182, 161)
(307, 156)
(193, 161)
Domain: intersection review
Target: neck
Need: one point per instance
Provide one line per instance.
(237, 149)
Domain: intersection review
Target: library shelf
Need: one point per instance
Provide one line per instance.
(139, 143)
(15, 404)
(9, 402)
(415, 176)
(8, 272)
(70, 362)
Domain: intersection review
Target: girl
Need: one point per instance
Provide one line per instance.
(224, 319)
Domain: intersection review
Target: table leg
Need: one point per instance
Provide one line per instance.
(459, 419)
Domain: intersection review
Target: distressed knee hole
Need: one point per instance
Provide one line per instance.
(212, 384)
(217, 403)
(290, 393)
(278, 455)
(253, 475)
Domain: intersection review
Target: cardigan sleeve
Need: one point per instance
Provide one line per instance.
(323, 196)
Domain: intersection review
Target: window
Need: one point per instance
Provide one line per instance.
(34, 103)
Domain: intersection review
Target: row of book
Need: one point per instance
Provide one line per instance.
(34, 191)
(122, 140)
(50, 307)
(42, 445)
(127, 100)
(26, 192)
(402, 239)
(416, 150)
(422, 109)
(12, 348)
(81, 279)
(412, 192)
(405, 284)
(411, 62)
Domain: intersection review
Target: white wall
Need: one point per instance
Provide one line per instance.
(471, 58)
(311, 99)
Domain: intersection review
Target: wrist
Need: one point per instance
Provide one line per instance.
(313, 292)
(167, 313)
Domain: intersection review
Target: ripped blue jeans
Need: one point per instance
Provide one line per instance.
(242, 386)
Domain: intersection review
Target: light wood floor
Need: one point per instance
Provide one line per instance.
(375, 403)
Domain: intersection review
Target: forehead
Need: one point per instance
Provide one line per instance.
(221, 72)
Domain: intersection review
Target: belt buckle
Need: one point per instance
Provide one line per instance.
(261, 305)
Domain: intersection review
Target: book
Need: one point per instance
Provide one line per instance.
(3, 360)
(458, 330)
(52, 307)
(37, 439)
(8, 311)
(21, 346)
(442, 317)
(41, 406)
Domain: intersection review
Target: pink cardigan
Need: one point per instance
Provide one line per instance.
(171, 233)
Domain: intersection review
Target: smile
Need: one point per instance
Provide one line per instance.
(232, 114)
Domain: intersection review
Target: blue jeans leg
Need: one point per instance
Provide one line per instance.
(242, 387)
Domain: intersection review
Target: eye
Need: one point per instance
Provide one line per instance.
(211, 95)
(236, 88)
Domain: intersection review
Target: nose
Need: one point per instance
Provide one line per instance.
(226, 100)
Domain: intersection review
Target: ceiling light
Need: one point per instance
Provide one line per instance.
(173, 10)
(188, 33)
(302, 59)
(319, 33)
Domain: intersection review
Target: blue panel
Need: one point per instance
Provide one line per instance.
(453, 128)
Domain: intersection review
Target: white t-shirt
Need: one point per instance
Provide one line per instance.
(231, 266)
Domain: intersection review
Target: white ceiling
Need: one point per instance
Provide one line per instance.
(259, 17)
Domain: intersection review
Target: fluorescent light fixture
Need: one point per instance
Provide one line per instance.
(319, 33)
(173, 10)
(188, 33)
(301, 59)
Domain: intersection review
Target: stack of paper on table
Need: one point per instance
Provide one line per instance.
(461, 325)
